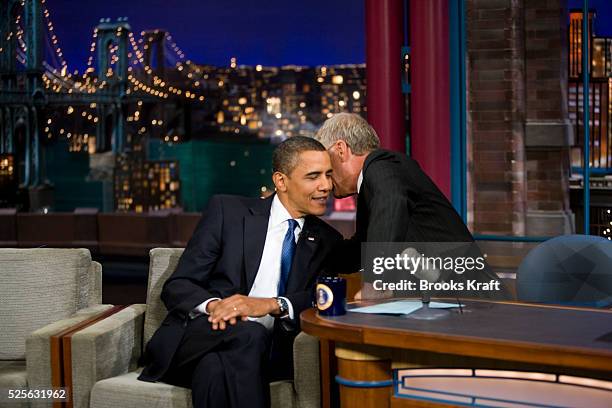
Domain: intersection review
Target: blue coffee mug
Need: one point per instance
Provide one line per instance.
(331, 296)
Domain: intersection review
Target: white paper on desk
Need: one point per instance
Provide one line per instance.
(401, 307)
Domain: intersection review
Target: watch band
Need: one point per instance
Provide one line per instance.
(282, 306)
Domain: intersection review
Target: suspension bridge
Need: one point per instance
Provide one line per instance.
(134, 86)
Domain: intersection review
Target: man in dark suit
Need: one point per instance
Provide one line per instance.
(396, 200)
(245, 276)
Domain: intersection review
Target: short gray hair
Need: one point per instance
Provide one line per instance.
(285, 156)
(353, 129)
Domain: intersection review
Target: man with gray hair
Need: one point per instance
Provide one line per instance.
(397, 201)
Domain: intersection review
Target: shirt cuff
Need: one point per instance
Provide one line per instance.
(201, 308)
(289, 314)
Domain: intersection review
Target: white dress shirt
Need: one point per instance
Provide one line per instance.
(359, 181)
(268, 274)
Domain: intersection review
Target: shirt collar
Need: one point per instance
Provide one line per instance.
(279, 214)
(359, 181)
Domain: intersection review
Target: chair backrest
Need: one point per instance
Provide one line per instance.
(162, 264)
(570, 270)
(40, 286)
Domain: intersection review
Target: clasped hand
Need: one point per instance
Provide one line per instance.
(238, 307)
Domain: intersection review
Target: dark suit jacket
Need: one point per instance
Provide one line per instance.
(222, 259)
(398, 202)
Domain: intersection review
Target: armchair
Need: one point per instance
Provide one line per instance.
(105, 355)
(42, 292)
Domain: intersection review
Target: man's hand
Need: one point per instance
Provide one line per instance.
(229, 310)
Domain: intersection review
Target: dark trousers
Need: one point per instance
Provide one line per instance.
(227, 368)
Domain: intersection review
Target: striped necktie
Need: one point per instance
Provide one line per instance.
(287, 256)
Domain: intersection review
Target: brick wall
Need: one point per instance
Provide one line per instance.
(547, 128)
(495, 116)
(518, 127)
(546, 59)
(547, 180)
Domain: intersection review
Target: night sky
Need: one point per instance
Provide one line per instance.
(270, 32)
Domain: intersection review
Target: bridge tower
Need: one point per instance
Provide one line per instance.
(21, 69)
(113, 66)
(155, 50)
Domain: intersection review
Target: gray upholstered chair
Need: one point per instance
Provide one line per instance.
(42, 292)
(106, 354)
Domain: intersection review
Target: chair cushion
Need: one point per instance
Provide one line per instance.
(37, 287)
(282, 394)
(127, 391)
(12, 376)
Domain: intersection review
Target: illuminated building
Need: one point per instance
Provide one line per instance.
(8, 180)
(600, 93)
(146, 185)
(602, 56)
(575, 41)
(286, 101)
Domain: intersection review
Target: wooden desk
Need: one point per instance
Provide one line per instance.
(487, 335)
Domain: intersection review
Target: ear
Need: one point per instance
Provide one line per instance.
(280, 181)
(343, 150)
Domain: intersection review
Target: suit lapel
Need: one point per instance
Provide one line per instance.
(362, 215)
(255, 230)
(304, 252)
(362, 210)
(373, 156)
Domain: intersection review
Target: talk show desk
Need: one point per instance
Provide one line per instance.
(364, 349)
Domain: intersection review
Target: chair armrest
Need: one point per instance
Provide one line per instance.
(306, 377)
(106, 349)
(38, 345)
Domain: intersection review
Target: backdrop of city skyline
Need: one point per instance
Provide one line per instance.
(204, 77)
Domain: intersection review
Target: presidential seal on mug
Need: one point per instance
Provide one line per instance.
(331, 296)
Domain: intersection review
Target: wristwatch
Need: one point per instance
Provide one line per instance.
(282, 305)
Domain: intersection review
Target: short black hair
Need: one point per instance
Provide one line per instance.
(285, 156)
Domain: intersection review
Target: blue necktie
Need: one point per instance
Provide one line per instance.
(287, 256)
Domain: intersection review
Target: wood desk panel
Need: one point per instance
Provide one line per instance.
(501, 335)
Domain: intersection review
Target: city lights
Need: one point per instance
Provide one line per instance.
(130, 85)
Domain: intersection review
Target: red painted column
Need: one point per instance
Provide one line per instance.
(430, 100)
(384, 37)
